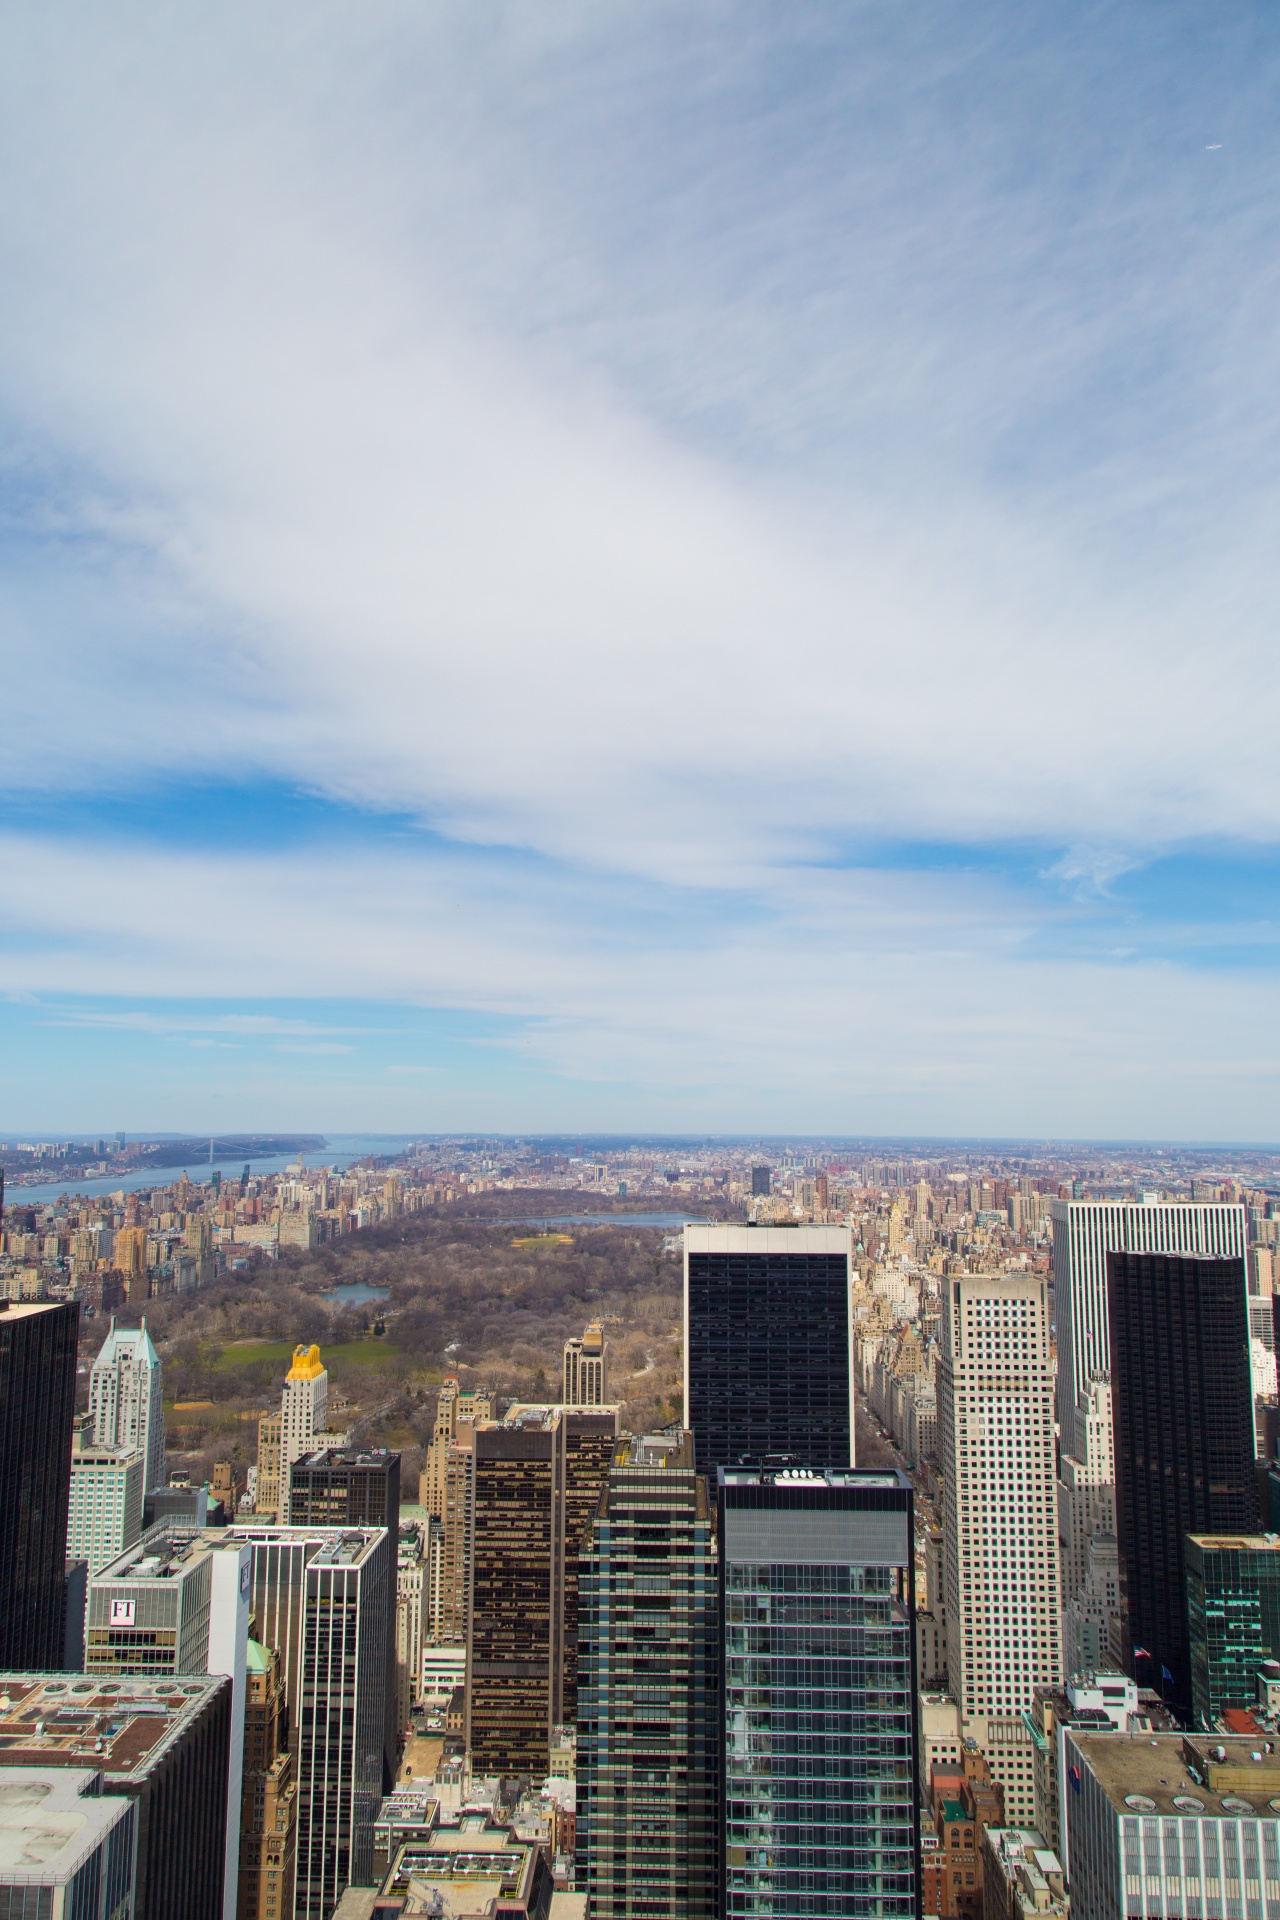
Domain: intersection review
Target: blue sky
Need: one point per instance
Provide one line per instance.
(642, 566)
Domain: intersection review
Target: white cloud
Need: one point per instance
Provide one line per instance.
(339, 502)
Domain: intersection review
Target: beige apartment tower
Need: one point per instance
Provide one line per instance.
(586, 1369)
(995, 1431)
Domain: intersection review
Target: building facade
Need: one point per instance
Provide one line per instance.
(104, 1513)
(648, 1745)
(37, 1406)
(68, 1848)
(1233, 1618)
(1183, 1414)
(586, 1377)
(1085, 1232)
(269, 1794)
(537, 1481)
(304, 1407)
(126, 1398)
(767, 1367)
(819, 1775)
(1000, 1533)
(164, 1744)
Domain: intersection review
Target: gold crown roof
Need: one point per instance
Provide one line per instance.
(307, 1364)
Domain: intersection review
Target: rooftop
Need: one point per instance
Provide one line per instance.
(1237, 1542)
(307, 1364)
(51, 1820)
(119, 1725)
(1177, 1773)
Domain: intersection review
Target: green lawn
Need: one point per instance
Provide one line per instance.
(371, 1355)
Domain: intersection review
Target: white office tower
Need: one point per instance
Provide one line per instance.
(104, 1512)
(995, 1430)
(303, 1407)
(1084, 1233)
(126, 1398)
(1086, 1489)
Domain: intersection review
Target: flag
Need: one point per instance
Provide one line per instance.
(1141, 1653)
(1167, 1675)
(1073, 1775)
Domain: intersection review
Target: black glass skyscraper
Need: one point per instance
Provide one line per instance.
(37, 1405)
(766, 1342)
(1182, 1410)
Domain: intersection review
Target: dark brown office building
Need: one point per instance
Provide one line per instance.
(538, 1480)
(164, 1742)
(37, 1404)
(1182, 1408)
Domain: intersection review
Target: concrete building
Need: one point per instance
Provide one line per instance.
(475, 1866)
(178, 1603)
(1233, 1618)
(104, 1513)
(165, 1744)
(66, 1848)
(1093, 1624)
(322, 1597)
(1183, 1419)
(768, 1370)
(586, 1377)
(1170, 1824)
(269, 1794)
(1086, 1487)
(537, 1483)
(995, 1418)
(37, 1406)
(1092, 1701)
(1021, 1876)
(304, 1407)
(648, 1711)
(267, 1495)
(818, 1659)
(126, 1398)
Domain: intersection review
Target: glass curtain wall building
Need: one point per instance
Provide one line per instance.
(647, 1721)
(819, 1770)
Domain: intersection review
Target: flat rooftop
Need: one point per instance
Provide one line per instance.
(1237, 1542)
(51, 1821)
(118, 1725)
(1174, 1773)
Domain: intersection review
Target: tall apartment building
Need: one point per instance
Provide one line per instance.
(1183, 1410)
(165, 1745)
(648, 1733)
(537, 1481)
(126, 1398)
(67, 1851)
(995, 1422)
(1084, 1233)
(321, 1596)
(586, 1382)
(456, 1414)
(304, 1407)
(104, 1512)
(37, 1406)
(269, 1796)
(457, 1527)
(767, 1366)
(819, 1774)
(268, 1498)
(410, 1615)
(178, 1603)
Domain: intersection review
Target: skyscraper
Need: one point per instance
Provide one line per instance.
(321, 1596)
(269, 1797)
(304, 1405)
(819, 1778)
(37, 1405)
(126, 1398)
(1086, 1493)
(1233, 1618)
(1182, 1399)
(1000, 1534)
(585, 1369)
(648, 1733)
(105, 1503)
(355, 1487)
(537, 1482)
(766, 1345)
(1084, 1233)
